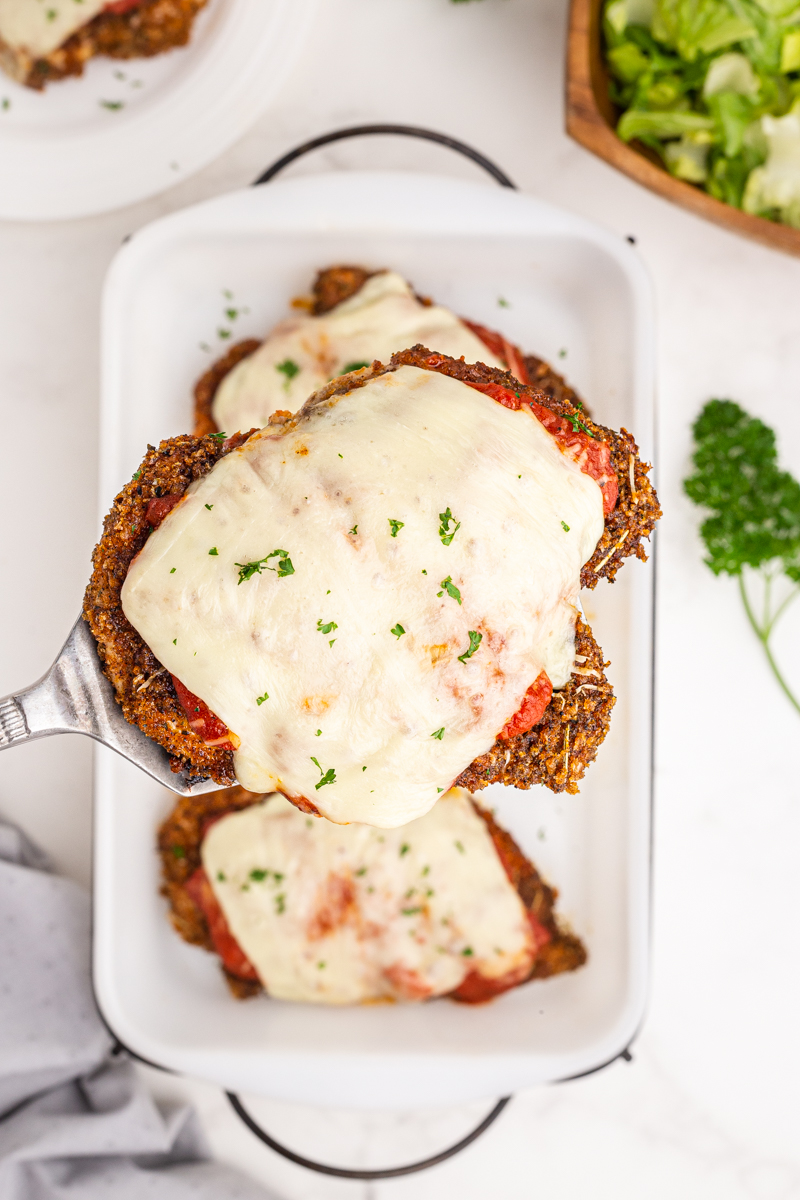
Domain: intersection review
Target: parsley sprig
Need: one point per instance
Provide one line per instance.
(754, 517)
(327, 627)
(396, 526)
(284, 567)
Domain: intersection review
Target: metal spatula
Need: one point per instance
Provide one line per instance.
(75, 697)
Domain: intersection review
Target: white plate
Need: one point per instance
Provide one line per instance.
(63, 153)
(569, 286)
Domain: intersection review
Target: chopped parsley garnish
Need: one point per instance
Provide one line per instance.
(459, 847)
(328, 627)
(173, 570)
(214, 552)
(450, 588)
(562, 354)
(440, 789)
(565, 526)
(410, 912)
(221, 877)
(112, 105)
(503, 303)
(404, 849)
(261, 699)
(288, 368)
(363, 768)
(209, 507)
(178, 852)
(330, 643)
(218, 437)
(138, 475)
(174, 641)
(320, 966)
(398, 631)
(439, 733)
(259, 874)
(284, 567)
(578, 426)
(354, 366)
(424, 572)
(361, 871)
(328, 776)
(280, 904)
(5, 104)
(223, 334)
(447, 519)
(467, 952)
(318, 733)
(354, 530)
(396, 526)
(425, 870)
(475, 640)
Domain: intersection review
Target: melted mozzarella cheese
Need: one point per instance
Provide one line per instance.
(382, 317)
(345, 914)
(348, 681)
(39, 27)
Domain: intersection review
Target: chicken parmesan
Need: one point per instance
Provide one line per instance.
(352, 318)
(376, 598)
(315, 912)
(45, 40)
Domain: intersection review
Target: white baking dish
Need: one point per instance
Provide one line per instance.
(568, 286)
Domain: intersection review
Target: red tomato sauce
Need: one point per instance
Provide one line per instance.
(233, 956)
(591, 455)
(532, 709)
(477, 989)
(158, 508)
(497, 345)
(201, 719)
(122, 6)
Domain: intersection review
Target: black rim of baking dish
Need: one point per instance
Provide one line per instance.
(325, 139)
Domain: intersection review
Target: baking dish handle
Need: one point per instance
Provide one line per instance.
(379, 1173)
(414, 131)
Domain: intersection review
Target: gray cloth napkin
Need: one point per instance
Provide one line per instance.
(76, 1123)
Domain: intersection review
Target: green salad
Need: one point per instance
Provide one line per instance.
(713, 86)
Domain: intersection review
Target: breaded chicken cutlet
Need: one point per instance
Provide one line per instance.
(549, 741)
(335, 287)
(40, 44)
(336, 904)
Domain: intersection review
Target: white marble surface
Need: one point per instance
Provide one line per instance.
(709, 1107)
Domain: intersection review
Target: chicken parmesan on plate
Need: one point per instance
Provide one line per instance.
(377, 598)
(352, 317)
(45, 40)
(330, 914)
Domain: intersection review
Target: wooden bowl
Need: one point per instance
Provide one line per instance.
(592, 119)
